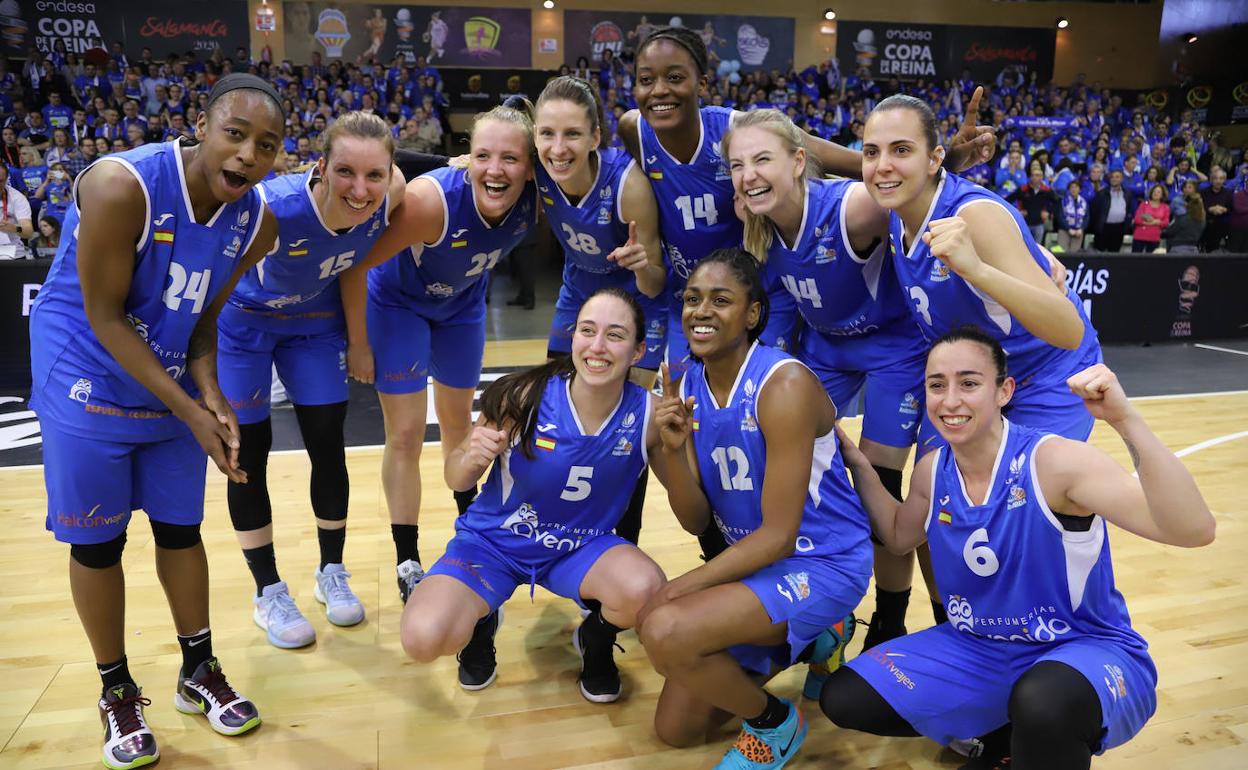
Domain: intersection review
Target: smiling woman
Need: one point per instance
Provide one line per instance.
(126, 326)
(289, 315)
(425, 310)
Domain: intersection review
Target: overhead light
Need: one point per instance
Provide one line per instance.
(1062, 22)
(829, 14)
(548, 4)
(1191, 37)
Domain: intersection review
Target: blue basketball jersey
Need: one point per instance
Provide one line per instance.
(1007, 568)
(294, 289)
(942, 301)
(575, 486)
(732, 463)
(180, 267)
(434, 275)
(839, 293)
(696, 214)
(594, 226)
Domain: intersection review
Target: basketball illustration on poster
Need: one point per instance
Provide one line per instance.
(376, 26)
(403, 28)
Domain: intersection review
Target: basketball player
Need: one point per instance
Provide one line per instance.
(749, 445)
(1039, 636)
(123, 341)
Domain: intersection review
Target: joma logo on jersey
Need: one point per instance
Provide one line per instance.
(524, 523)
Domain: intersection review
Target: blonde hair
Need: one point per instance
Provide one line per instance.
(758, 229)
(517, 111)
(362, 125)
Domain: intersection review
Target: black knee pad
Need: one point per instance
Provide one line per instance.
(99, 555)
(175, 537)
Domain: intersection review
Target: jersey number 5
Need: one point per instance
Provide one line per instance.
(578, 487)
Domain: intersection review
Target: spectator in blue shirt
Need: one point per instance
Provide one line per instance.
(1072, 219)
(56, 114)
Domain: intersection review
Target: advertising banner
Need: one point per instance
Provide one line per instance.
(450, 37)
(909, 51)
(754, 42)
(165, 27)
(1141, 298)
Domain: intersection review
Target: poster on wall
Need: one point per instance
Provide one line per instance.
(911, 51)
(165, 27)
(756, 42)
(453, 37)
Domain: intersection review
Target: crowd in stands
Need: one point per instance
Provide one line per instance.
(1109, 172)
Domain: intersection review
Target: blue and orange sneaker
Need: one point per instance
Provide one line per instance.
(767, 749)
(828, 655)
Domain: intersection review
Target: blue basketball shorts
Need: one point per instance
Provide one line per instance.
(949, 684)
(410, 343)
(483, 567)
(313, 367)
(93, 485)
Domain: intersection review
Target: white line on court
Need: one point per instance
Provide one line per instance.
(1203, 346)
(1211, 442)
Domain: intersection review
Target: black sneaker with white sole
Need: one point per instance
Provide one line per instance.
(478, 667)
(600, 677)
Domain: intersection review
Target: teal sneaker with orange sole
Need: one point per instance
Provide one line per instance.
(828, 655)
(767, 749)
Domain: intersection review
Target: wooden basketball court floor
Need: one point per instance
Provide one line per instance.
(353, 700)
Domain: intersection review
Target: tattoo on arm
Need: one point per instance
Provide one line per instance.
(1135, 454)
(203, 342)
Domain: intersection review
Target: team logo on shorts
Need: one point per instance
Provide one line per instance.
(81, 390)
(940, 272)
(909, 404)
(799, 586)
(1018, 497)
(1115, 682)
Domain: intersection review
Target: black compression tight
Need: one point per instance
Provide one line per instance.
(1054, 713)
(322, 430)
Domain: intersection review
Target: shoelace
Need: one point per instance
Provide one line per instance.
(217, 686)
(126, 712)
(282, 608)
(335, 586)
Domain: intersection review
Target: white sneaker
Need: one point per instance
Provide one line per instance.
(342, 606)
(277, 614)
(410, 573)
(207, 692)
(128, 741)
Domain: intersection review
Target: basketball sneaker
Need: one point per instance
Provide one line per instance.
(410, 573)
(128, 741)
(277, 614)
(828, 655)
(207, 692)
(600, 678)
(478, 668)
(878, 631)
(766, 749)
(342, 606)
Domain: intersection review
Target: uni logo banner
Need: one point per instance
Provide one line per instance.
(481, 35)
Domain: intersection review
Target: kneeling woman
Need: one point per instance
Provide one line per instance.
(565, 439)
(765, 467)
(1038, 636)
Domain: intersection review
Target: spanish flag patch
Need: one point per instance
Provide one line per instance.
(945, 517)
(656, 175)
(298, 252)
(548, 201)
(696, 425)
(163, 236)
(545, 443)
(458, 244)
